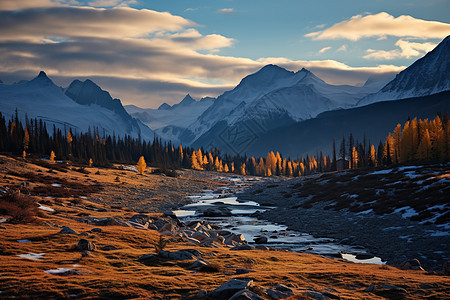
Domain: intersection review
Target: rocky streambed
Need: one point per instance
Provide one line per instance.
(227, 209)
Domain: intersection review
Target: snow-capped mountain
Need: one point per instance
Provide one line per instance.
(428, 75)
(81, 106)
(170, 122)
(270, 98)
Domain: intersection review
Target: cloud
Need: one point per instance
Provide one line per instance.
(191, 9)
(324, 49)
(407, 50)
(343, 48)
(112, 3)
(143, 57)
(90, 22)
(226, 11)
(382, 25)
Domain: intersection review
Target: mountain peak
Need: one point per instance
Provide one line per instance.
(164, 106)
(42, 79)
(187, 100)
(42, 75)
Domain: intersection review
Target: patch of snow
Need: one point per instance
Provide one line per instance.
(365, 212)
(56, 185)
(58, 271)
(130, 168)
(408, 168)
(438, 233)
(83, 197)
(409, 212)
(393, 228)
(48, 197)
(24, 241)
(412, 174)
(33, 256)
(381, 172)
(46, 208)
(3, 220)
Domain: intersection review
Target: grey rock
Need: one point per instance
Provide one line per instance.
(227, 290)
(67, 230)
(262, 247)
(84, 234)
(413, 264)
(245, 295)
(279, 291)
(260, 240)
(180, 254)
(369, 289)
(85, 245)
(217, 212)
(198, 264)
(96, 230)
(364, 256)
(315, 295)
(108, 248)
(243, 247)
(140, 219)
(85, 253)
(240, 271)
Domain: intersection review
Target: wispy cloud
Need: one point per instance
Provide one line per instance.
(407, 50)
(324, 49)
(112, 3)
(382, 25)
(343, 48)
(226, 11)
(191, 9)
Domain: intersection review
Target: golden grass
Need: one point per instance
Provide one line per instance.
(119, 274)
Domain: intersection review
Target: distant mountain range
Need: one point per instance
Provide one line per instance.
(273, 109)
(80, 107)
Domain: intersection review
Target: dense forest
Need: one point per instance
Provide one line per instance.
(415, 141)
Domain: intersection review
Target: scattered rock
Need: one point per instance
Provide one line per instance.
(67, 230)
(198, 264)
(243, 247)
(279, 291)
(217, 212)
(84, 234)
(260, 240)
(85, 245)
(140, 219)
(96, 230)
(108, 248)
(85, 253)
(364, 256)
(369, 289)
(201, 294)
(227, 290)
(413, 264)
(240, 271)
(262, 247)
(245, 295)
(315, 295)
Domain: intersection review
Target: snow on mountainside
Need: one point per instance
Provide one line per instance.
(170, 122)
(275, 91)
(428, 75)
(80, 107)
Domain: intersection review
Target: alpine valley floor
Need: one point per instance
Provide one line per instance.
(44, 259)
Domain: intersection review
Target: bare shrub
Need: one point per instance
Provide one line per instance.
(22, 208)
(160, 244)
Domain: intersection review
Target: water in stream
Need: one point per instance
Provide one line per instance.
(242, 221)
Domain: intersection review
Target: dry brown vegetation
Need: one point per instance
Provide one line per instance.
(119, 274)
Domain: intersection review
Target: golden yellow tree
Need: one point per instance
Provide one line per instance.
(26, 139)
(437, 137)
(141, 165)
(372, 156)
(260, 167)
(52, 157)
(268, 172)
(354, 158)
(289, 170)
(24, 154)
(91, 162)
(271, 162)
(226, 169)
(424, 150)
(242, 169)
(180, 150)
(194, 161)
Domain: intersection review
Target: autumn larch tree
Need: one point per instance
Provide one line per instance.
(141, 165)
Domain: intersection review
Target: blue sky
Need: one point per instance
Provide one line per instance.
(151, 51)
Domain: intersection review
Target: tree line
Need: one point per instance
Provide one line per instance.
(415, 141)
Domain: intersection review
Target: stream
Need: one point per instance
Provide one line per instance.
(240, 217)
